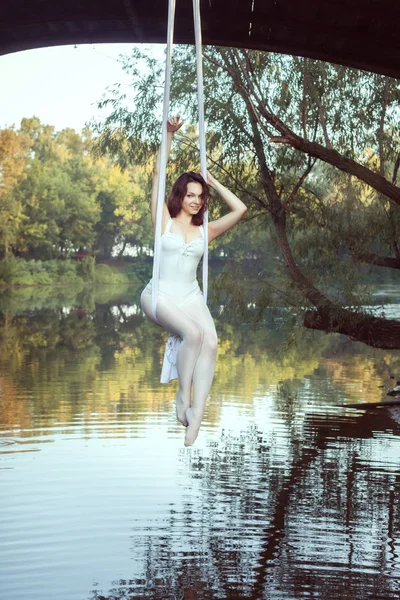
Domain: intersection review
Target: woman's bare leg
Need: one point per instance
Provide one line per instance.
(204, 369)
(174, 320)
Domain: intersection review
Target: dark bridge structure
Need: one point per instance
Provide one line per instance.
(356, 33)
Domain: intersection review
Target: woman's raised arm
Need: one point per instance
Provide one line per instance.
(173, 124)
(238, 209)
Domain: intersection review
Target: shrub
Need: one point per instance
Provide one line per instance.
(139, 272)
(17, 271)
(41, 278)
(86, 268)
(8, 269)
(104, 274)
(23, 278)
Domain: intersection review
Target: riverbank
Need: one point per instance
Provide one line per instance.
(17, 272)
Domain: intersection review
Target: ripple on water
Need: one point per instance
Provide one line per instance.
(286, 494)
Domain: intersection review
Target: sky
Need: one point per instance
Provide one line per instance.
(60, 85)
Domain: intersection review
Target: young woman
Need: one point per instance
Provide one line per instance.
(181, 308)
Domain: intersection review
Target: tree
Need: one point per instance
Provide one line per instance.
(14, 147)
(57, 197)
(338, 117)
(57, 193)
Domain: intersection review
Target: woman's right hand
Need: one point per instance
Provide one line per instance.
(174, 123)
(211, 181)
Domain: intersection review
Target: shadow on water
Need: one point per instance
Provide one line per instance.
(291, 495)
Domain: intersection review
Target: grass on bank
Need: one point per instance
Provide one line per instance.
(20, 272)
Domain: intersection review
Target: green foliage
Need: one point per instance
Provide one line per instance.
(8, 270)
(17, 300)
(86, 268)
(56, 199)
(105, 274)
(67, 271)
(16, 271)
(36, 272)
(139, 272)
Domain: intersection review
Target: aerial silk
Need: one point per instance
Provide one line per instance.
(163, 152)
(169, 370)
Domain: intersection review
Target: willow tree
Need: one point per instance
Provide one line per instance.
(312, 148)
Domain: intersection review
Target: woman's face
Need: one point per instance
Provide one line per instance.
(193, 199)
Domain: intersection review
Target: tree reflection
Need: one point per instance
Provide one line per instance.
(322, 521)
(310, 509)
(75, 348)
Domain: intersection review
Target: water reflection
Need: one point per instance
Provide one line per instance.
(321, 522)
(286, 495)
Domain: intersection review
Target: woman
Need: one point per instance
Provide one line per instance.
(181, 308)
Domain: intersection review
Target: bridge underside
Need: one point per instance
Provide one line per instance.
(356, 33)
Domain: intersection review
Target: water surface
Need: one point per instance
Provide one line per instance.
(286, 494)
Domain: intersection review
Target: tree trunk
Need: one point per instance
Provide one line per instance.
(312, 294)
(374, 331)
(374, 259)
(121, 252)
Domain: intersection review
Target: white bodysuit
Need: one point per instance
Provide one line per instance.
(191, 348)
(178, 267)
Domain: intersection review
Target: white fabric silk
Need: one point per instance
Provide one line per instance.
(202, 132)
(163, 155)
(161, 279)
(169, 370)
(163, 158)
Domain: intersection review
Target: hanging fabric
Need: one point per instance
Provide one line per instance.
(169, 370)
(163, 159)
(202, 131)
(163, 152)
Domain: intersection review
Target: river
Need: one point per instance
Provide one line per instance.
(286, 494)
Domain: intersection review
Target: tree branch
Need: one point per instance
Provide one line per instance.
(216, 63)
(245, 74)
(304, 100)
(381, 130)
(321, 112)
(374, 259)
(244, 90)
(377, 332)
(250, 68)
(288, 202)
(280, 293)
(330, 156)
(396, 169)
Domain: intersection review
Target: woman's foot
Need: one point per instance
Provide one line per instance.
(193, 427)
(181, 409)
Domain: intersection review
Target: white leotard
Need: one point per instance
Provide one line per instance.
(178, 266)
(183, 304)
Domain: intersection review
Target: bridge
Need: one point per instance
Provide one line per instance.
(356, 33)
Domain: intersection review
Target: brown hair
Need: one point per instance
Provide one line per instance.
(178, 193)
